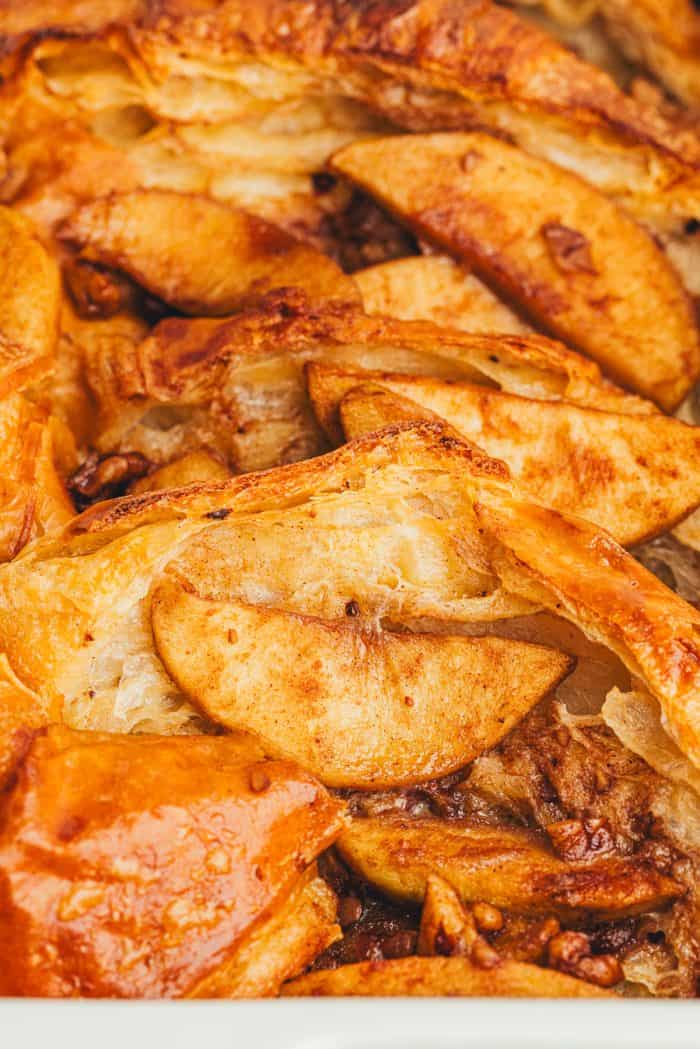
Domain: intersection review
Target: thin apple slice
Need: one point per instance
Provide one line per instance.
(29, 304)
(439, 977)
(566, 253)
(300, 928)
(359, 707)
(635, 476)
(434, 288)
(508, 868)
(198, 255)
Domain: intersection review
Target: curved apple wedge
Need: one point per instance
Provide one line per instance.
(635, 476)
(362, 708)
(568, 255)
(434, 288)
(198, 255)
(417, 977)
(510, 868)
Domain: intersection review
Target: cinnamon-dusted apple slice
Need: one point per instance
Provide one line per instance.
(136, 866)
(567, 254)
(359, 707)
(74, 610)
(507, 867)
(434, 288)
(634, 476)
(439, 977)
(200, 256)
(280, 947)
(29, 304)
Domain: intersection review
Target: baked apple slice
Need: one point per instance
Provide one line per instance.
(434, 288)
(137, 866)
(572, 258)
(635, 476)
(198, 255)
(358, 706)
(417, 977)
(510, 868)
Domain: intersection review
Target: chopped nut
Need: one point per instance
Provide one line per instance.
(580, 839)
(102, 478)
(487, 917)
(400, 944)
(483, 955)
(569, 248)
(349, 910)
(96, 291)
(570, 952)
(531, 944)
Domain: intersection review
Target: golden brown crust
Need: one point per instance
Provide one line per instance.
(612, 597)
(237, 385)
(475, 48)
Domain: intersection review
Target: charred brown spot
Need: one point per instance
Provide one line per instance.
(569, 248)
(219, 515)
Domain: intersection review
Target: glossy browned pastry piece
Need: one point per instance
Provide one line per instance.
(272, 540)
(29, 305)
(622, 472)
(33, 499)
(572, 258)
(138, 866)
